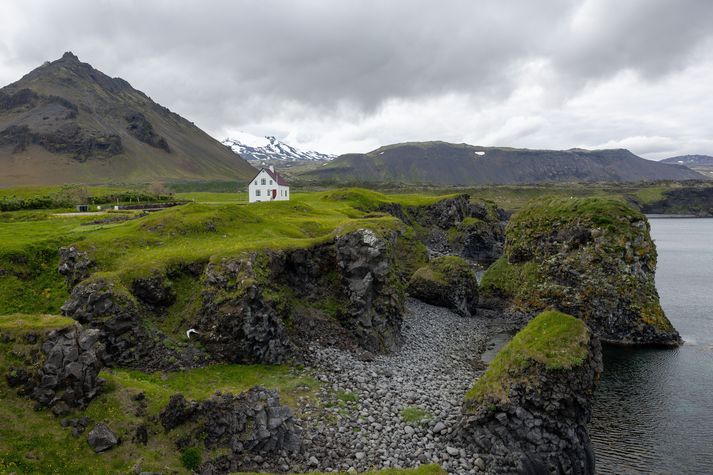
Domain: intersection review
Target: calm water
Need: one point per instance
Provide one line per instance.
(654, 408)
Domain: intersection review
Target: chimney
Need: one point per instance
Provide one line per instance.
(272, 169)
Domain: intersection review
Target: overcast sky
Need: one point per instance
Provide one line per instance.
(343, 76)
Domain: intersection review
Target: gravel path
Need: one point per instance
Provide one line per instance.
(362, 421)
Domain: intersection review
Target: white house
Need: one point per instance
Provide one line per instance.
(268, 185)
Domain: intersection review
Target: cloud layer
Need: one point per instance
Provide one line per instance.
(347, 76)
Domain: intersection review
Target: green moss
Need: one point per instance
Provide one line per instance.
(191, 458)
(347, 396)
(415, 415)
(507, 280)
(552, 340)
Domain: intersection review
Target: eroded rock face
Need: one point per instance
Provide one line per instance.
(74, 265)
(375, 306)
(68, 376)
(447, 282)
(236, 323)
(540, 427)
(253, 421)
(153, 290)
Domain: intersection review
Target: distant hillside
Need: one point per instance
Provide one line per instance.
(268, 149)
(442, 163)
(700, 163)
(66, 122)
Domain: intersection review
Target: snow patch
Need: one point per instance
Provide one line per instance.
(480, 153)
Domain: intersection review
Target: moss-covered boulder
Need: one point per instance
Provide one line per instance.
(530, 409)
(447, 281)
(589, 257)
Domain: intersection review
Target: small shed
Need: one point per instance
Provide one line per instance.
(82, 208)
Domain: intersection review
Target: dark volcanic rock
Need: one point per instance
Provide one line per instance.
(373, 314)
(253, 421)
(74, 265)
(102, 438)
(109, 307)
(448, 282)
(236, 323)
(539, 423)
(153, 290)
(68, 373)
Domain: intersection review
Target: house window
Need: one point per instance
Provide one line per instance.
(271, 182)
(262, 181)
(256, 182)
(257, 192)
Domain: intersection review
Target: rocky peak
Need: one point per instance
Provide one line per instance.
(69, 56)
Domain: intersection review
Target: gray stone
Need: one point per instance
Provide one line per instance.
(101, 438)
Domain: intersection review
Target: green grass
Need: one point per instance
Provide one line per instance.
(552, 340)
(347, 396)
(415, 415)
(21, 321)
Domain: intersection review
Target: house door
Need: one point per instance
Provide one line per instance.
(274, 194)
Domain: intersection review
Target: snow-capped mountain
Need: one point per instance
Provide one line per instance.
(252, 147)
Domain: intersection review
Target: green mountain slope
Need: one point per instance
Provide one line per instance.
(68, 122)
(442, 163)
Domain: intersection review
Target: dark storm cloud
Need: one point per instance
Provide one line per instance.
(230, 64)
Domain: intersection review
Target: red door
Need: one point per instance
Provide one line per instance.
(274, 194)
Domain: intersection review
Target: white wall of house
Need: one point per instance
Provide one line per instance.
(262, 187)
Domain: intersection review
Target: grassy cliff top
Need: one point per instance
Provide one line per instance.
(552, 339)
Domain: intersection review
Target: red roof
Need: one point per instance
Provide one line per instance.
(279, 179)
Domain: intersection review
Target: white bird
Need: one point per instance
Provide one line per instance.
(188, 333)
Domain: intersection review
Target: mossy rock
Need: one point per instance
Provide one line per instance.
(592, 258)
(552, 341)
(447, 281)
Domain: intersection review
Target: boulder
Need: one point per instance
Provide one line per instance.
(530, 409)
(447, 281)
(589, 257)
(101, 438)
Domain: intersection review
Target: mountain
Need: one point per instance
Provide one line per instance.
(442, 163)
(66, 122)
(254, 148)
(701, 163)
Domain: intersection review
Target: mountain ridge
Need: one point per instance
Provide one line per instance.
(67, 122)
(443, 163)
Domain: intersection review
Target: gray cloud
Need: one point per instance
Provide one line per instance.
(350, 75)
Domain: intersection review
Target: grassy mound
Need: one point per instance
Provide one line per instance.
(552, 340)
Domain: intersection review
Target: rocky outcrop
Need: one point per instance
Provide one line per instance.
(529, 411)
(253, 421)
(153, 290)
(141, 128)
(74, 265)
(236, 323)
(373, 313)
(591, 258)
(69, 138)
(457, 226)
(449, 282)
(68, 374)
(106, 305)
